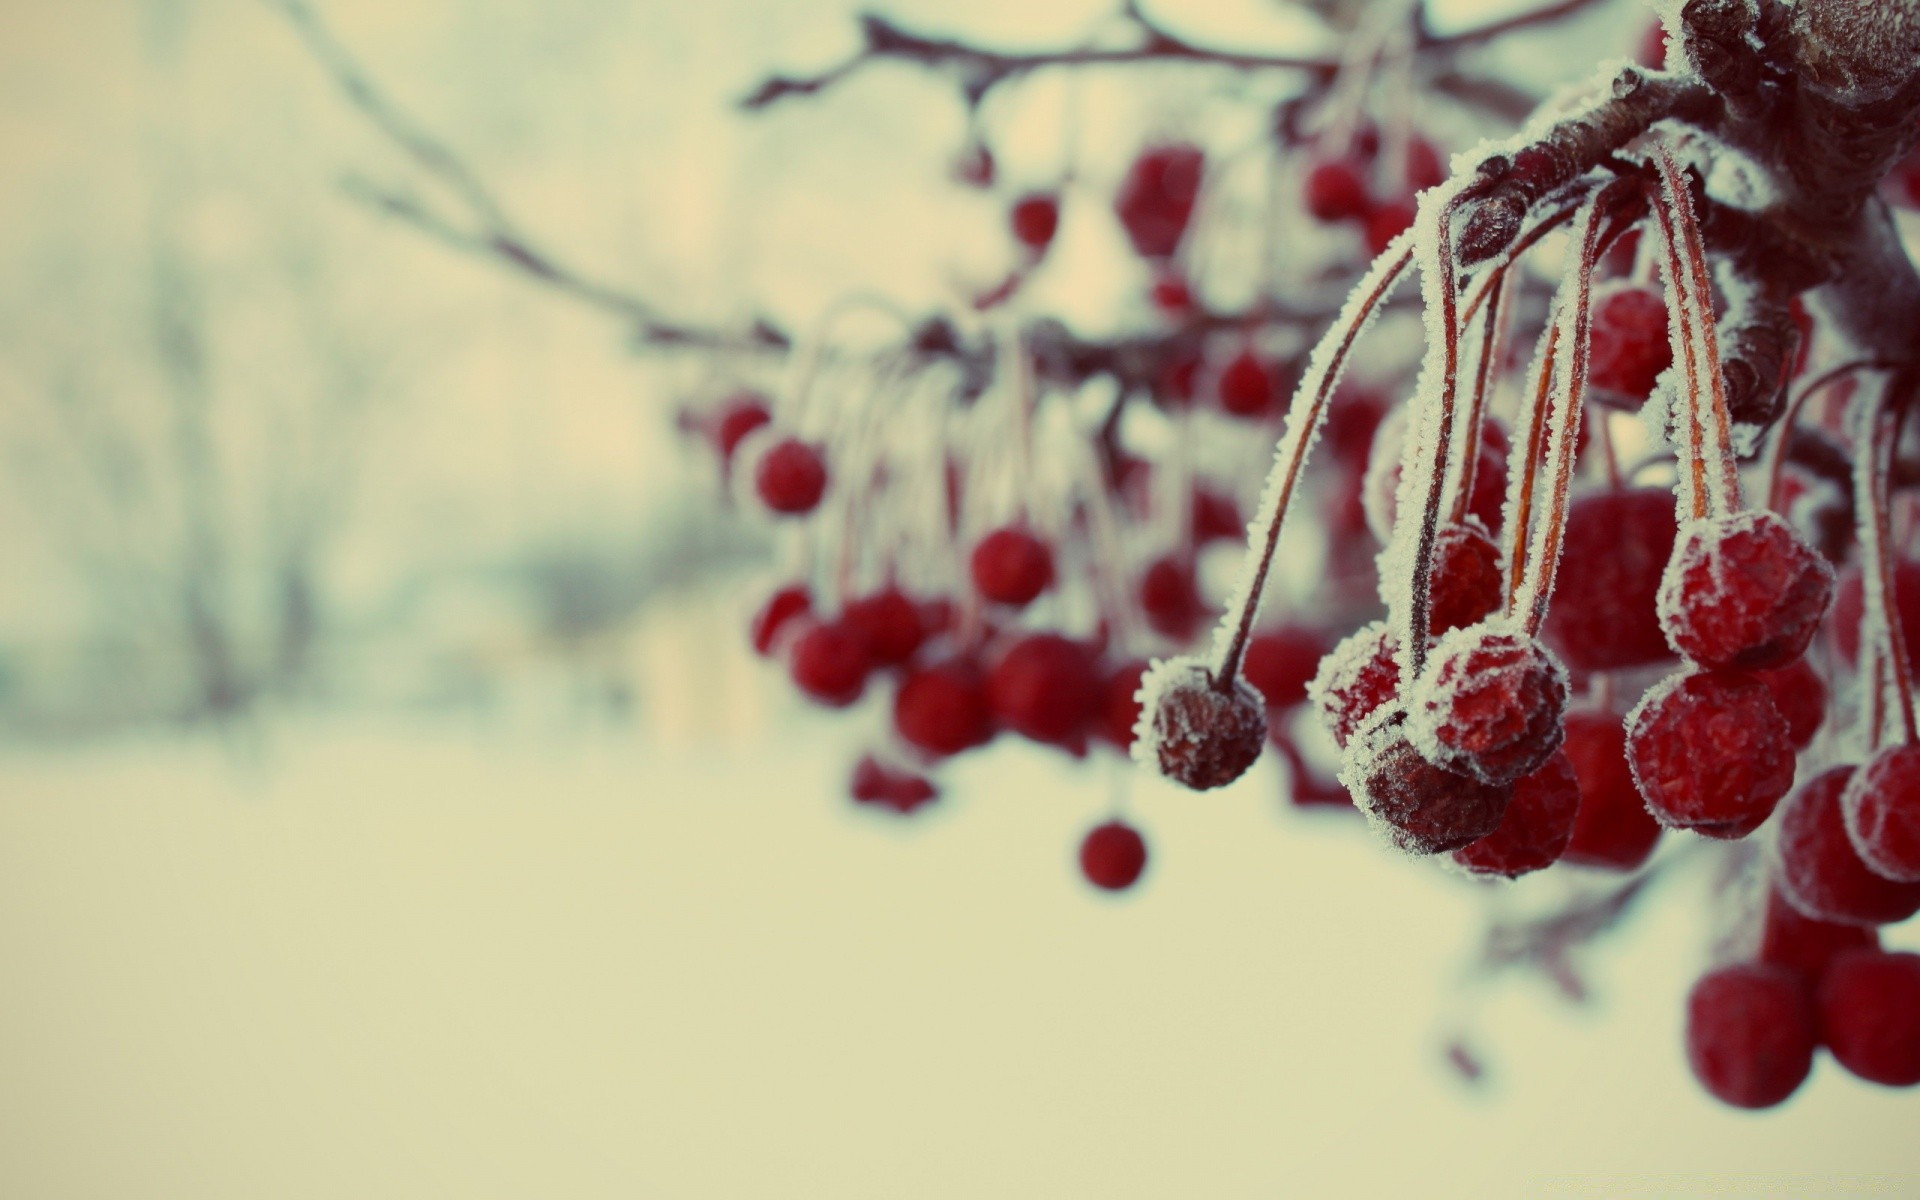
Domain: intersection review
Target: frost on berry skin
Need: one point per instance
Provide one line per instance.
(1361, 674)
(1882, 809)
(1710, 752)
(1466, 584)
(1120, 704)
(1281, 662)
(1192, 731)
(1170, 598)
(1790, 938)
(1751, 1033)
(1743, 591)
(777, 615)
(1112, 856)
(1034, 218)
(1613, 829)
(902, 792)
(1536, 828)
(1156, 199)
(1417, 807)
(1044, 687)
(1603, 616)
(791, 477)
(890, 622)
(1819, 870)
(1247, 387)
(941, 710)
(1010, 566)
(1870, 1015)
(830, 664)
(1801, 696)
(1630, 347)
(1490, 703)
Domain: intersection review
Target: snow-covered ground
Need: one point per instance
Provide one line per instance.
(460, 962)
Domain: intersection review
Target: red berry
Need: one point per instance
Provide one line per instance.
(1361, 674)
(1035, 218)
(1710, 752)
(1045, 688)
(1882, 807)
(1801, 696)
(942, 709)
(1613, 829)
(777, 614)
(1629, 343)
(1387, 222)
(1120, 704)
(1171, 294)
(1425, 167)
(1195, 732)
(1466, 584)
(1536, 828)
(1750, 1034)
(1602, 616)
(902, 791)
(1789, 938)
(1820, 871)
(1281, 662)
(1489, 704)
(1247, 387)
(1380, 489)
(1418, 807)
(1011, 566)
(791, 477)
(1216, 518)
(891, 623)
(1743, 591)
(1870, 1015)
(1170, 598)
(1113, 855)
(741, 415)
(1156, 199)
(1336, 190)
(830, 664)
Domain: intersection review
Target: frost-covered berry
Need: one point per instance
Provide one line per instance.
(1192, 730)
(1603, 616)
(1710, 752)
(1629, 347)
(1120, 704)
(1613, 829)
(1801, 696)
(776, 615)
(903, 792)
(942, 709)
(891, 623)
(1743, 591)
(791, 477)
(1336, 190)
(1281, 661)
(1361, 674)
(1419, 808)
(1035, 218)
(1156, 199)
(830, 664)
(1113, 855)
(1790, 938)
(1247, 387)
(1751, 1033)
(1818, 868)
(1045, 687)
(1882, 807)
(1536, 828)
(1010, 566)
(1466, 584)
(1170, 598)
(1870, 1015)
(1490, 703)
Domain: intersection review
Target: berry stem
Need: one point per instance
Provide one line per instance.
(1776, 466)
(1490, 349)
(1876, 433)
(1714, 477)
(1526, 450)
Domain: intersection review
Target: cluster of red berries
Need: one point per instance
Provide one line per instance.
(1373, 191)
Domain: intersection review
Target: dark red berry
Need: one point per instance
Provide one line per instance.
(1171, 294)
(1044, 687)
(1425, 167)
(1751, 1033)
(1882, 807)
(741, 415)
(1790, 938)
(1035, 218)
(1416, 806)
(1613, 829)
(1387, 222)
(1536, 828)
(1113, 855)
(1743, 591)
(1120, 704)
(1011, 566)
(1156, 199)
(1819, 869)
(1247, 387)
(1281, 662)
(1195, 732)
(1629, 343)
(1870, 1015)
(1490, 704)
(1361, 674)
(1216, 518)
(942, 709)
(1336, 190)
(1603, 615)
(1170, 598)
(1466, 584)
(1801, 696)
(830, 664)
(902, 791)
(892, 624)
(791, 477)
(1710, 752)
(777, 615)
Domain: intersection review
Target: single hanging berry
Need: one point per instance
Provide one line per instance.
(778, 615)
(1045, 687)
(942, 709)
(1743, 591)
(1882, 807)
(791, 477)
(892, 625)
(1170, 598)
(1818, 868)
(1466, 583)
(1336, 190)
(1870, 1015)
(1247, 387)
(1536, 828)
(1613, 829)
(1194, 731)
(1011, 566)
(1490, 704)
(1281, 662)
(1417, 807)
(903, 792)
(1604, 616)
(1630, 347)
(1751, 1033)
(1113, 855)
(1035, 218)
(1156, 199)
(830, 664)
(1710, 752)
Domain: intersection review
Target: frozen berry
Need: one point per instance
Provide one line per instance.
(1466, 584)
(1194, 731)
(1536, 828)
(1819, 869)
(1750, 1034)
(1629, 342)
(1870, 1015)
(1044, 687)
(830, 664)
(777, 615)
(1490, 704)
(1743, 591)
(1170, 598)
(1710, 752)
(1361, 674)
(1603, 616)
(1113, 855)
(942, 709)
(1120, 704)
(1035, 218)
(1247, 386)
(1882, 807)
(892, 624)
(902, 791)
(1790, 938)
(1613, 829)
(1416, 806)
(1801, 696)
(1011, 566)
(1280, 662)
(791, 477)
(1336, 190)
(1156, 199)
